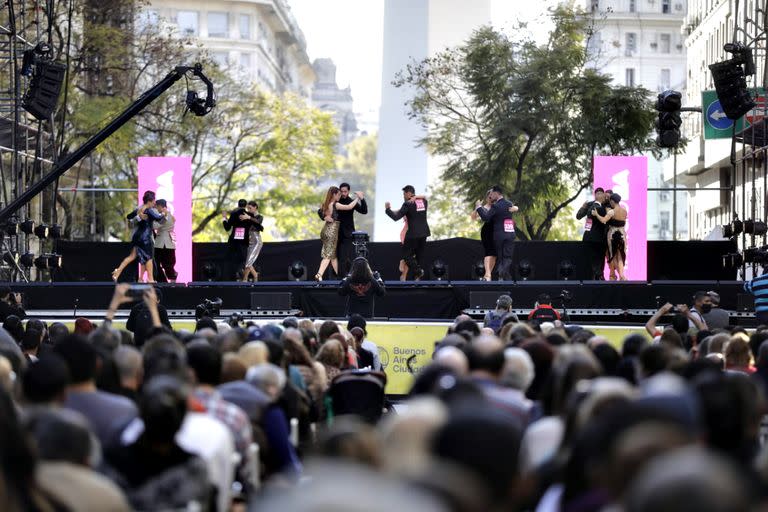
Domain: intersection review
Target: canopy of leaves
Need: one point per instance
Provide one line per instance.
(530, 117)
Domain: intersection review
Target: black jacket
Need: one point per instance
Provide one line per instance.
(361, 297)
(239, 228)
(347, 217)
(416, 213)
(499, 214)
(140, 321)
(594, 230)
(7, 310)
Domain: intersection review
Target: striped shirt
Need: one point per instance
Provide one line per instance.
(759, 288)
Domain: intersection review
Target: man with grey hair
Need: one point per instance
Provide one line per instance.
(453, 358)
(518, 371)
(495, 319)
(716, 318)
(130, 370)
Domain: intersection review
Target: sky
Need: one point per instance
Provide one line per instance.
(351, 33)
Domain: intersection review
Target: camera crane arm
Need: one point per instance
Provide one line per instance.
(121, 119)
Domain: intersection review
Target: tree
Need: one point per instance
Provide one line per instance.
(529, 117)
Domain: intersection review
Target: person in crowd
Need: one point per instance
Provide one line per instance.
(500, 214)
(206, 364)
(148, 467)
(30, 344)
(130, 368)
(45, 381)
(57, 331)
(702, 305)
(486, 237)
(146, 315)
(361, 287)
(347, 225)
(594, 238)
(142, 240)
(543, 310)
(738, 357)
(503, 310)
(717, 317)
(370, 346)
(106, 413)
(364, 357)
(756, 287)
(165, 243)
(331, 356)
(312, 372)
(415, 212)
(10, 304)
(682, 320)
(616, 236)
(237, 222)
(329, 235)
(254, 240)
(68, 457)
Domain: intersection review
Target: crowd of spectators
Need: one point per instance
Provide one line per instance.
(291, 415)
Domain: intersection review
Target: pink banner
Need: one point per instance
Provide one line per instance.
(171, 179)
(628, 177)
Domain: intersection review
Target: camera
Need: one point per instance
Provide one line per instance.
(234, 320)
(209, 308)
(565, 296)
(660, 301)
(360, 240)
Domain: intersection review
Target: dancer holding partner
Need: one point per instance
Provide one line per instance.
(237, 222)
(594, 234)
(616, 236)
(330, 232)
(165, 243)
(486, 237)
(142, 240)
(347, 225)
(414, 209)
(500, 214)
(254, 241)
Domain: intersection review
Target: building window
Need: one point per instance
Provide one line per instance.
(594, 44)
(664, 80)
(220, 58)
(245, 61)
(664, 221)
(665, 43)
(218, 24)
(629, 77)
(666, 6)
(245, 26)
(632, 6)
(188, 22)
(631, 43)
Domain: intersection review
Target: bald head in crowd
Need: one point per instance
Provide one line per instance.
(453, 358)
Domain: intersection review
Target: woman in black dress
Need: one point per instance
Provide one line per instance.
(143, 239)
(486, 237)
(361, 287)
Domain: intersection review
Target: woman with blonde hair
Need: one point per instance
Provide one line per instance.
(331, 356)
(330, 232)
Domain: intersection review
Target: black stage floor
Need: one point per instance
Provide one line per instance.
(602, 301)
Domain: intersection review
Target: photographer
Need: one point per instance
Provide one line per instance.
(10, 304)
(681, 322)
(595, 241)
(147, 315)
(543, 311)
(361, 287)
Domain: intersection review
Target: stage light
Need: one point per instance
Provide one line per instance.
(11, 258)
(727, 231)
(28, 226)
(566, 269)
(27, 260)
(41, 262)
(525, 269)
(730, 82)
(732, 260)
(54, 231)
(738, 227)
(11, 227)
(41, 231)
(478, 270)
(54, 261)
(439, 270)
(755, 227)
(297, 271)
(210, 271)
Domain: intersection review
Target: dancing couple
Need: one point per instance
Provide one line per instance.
(497, 233)
(615, 220)
(329, 236)
(245, 225)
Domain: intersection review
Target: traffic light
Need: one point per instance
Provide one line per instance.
(668, 124)
(730, 82)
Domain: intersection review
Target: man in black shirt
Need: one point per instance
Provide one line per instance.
(415, 211)
(146, 315)
(595, 243)
(237, 222)
(347, 227)
(10, 304)
(503, 229)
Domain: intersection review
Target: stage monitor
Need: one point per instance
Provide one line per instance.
(272, 301)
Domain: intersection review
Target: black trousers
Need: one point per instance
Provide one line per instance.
(166, 261)
(596, 255)
(346, 253)
(414, 253)
(505, 251)
(236, 254)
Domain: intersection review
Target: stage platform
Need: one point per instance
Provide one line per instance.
(602, 302)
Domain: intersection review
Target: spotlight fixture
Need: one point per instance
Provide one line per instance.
(478, 270)
(439, 270)
(41, 262)
(41, 231)
(738, 227)
(210, 271)
(524, 270)
(28, 226)
(11, 227)
(755, 227)
(730, 82)
(566, 269)
(27, 260)
(297, 271)
(54, 261)
(11, 258)
(54, 231)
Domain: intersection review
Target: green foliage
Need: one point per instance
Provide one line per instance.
(503, 110)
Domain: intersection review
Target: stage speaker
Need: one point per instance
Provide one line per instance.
(43, 93)
(276, 300)
(485, 300)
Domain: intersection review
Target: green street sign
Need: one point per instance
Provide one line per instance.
(716, 124)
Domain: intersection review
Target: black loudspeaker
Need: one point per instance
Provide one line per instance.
(43, 94)
(277, 300)
(484, 300)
